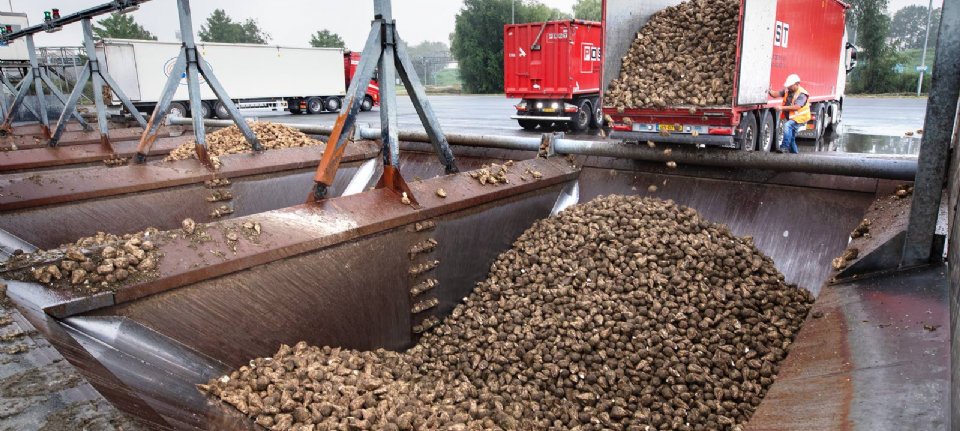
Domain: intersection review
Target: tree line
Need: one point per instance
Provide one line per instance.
(888, 43)
(218, 27)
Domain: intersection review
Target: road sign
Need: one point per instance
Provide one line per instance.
(921, 68)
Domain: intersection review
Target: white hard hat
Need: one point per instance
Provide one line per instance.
(792, 79)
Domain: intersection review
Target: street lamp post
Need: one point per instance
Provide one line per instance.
(923, 56)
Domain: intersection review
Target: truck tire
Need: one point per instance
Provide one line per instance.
(748, 131)
(366, 104)
(527, 124)
(836, 112)
(220, 110)
(176, 109)
(314, 105)
(597, 118)
(581, 120)
(206, 112)
(332, 104)
(768, 131)
(820, 125)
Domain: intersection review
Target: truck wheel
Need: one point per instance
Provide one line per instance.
(597, 118)
(220, 110)
(527, 124)
(748, 131)
(205, 110)
(820, 125)
(835, 114)
(176, 109)
(332, 104)
(314, 105)
(581, 120)
(366, 104)
(768, 131)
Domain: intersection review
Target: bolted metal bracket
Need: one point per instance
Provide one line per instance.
(548, 144)
(392, 180)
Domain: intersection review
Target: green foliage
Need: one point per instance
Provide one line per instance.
(909, 27)
(587, 9)
(477, 40)
(428, 49)
(874, 73)
(448, 78)
(326, 39)
(120, 26)
(221, 28)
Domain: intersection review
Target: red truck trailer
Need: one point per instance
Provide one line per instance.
(350, 62)
(555, 68)
(776, 38)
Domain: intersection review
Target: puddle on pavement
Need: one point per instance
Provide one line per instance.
(867, 144)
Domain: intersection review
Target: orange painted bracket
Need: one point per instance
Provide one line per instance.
(392, 180)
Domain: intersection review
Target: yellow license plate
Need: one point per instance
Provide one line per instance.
(549, 110)
(670, 127)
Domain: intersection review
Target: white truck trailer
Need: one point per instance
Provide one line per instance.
(255, 76)
(15, 51)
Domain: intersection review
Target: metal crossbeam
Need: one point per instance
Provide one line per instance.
(191, 63)
(54, 24)
(383, 47)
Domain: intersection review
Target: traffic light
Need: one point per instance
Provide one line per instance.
(47, 16)
(56, 13)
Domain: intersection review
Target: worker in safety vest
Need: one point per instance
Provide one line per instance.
(796, 107)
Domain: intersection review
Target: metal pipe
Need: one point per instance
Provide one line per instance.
(867, 167)
(853, 166)
(935, 147)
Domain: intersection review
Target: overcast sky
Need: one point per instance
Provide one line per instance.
(289, 22)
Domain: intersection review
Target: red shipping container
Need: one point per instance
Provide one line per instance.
(555, 59)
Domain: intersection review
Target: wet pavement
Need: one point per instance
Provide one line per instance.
(873, 125)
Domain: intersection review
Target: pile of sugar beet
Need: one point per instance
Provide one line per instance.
(683, 56)
(623, 313)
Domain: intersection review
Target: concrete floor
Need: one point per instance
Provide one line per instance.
(870, 125)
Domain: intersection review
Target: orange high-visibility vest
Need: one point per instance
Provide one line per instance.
(801, 115)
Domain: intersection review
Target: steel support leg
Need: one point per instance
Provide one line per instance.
(235, 115)
(419, 97)
(388, 98)
(69, 106)
(21, 94)
(123, 99)
(38, 88)
(101, 109)
(343, 128)
(935, 147)
(193, 88)
(13, 92)
(56, 93)
(160, 111)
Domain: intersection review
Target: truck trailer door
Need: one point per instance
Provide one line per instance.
(756, 51)
(121, 62)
